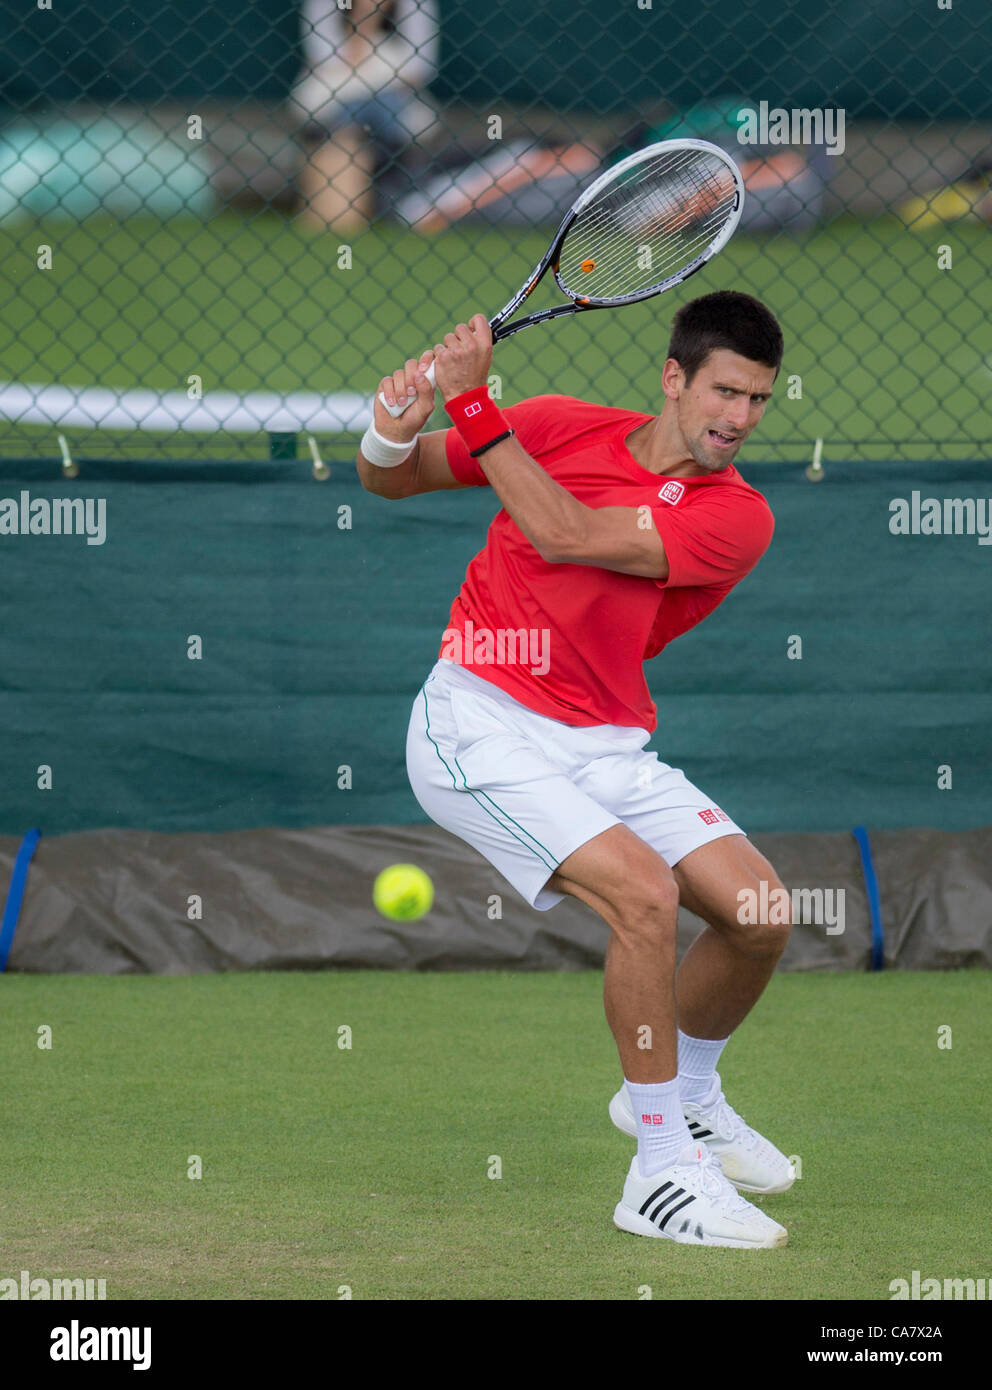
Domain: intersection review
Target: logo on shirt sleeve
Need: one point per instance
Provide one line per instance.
(672, 492)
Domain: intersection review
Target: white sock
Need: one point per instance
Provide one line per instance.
(697, 1066)
(662, 1132)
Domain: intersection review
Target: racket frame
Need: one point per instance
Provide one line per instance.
(550, 260)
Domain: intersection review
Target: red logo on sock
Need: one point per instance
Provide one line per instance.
(652, 1119)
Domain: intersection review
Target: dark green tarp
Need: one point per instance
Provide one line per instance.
(316, 640)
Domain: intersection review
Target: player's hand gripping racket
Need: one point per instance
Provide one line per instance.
(645, 225)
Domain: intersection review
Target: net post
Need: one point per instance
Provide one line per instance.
(815, 470)
(320, 469)
(70, 468)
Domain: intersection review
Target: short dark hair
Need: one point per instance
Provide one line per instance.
(725, 319)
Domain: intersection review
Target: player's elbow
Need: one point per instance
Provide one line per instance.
(376, 480)
(554, 550)
(563, 542)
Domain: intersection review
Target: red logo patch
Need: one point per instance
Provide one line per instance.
(652, 1119)
(707, 817)
(474, 409)
(672, 492)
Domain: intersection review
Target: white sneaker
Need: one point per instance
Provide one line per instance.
(693, 1203)
(748, 1160)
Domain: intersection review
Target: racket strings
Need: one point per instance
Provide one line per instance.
(666, 197)
(648, 226)
(644, 236)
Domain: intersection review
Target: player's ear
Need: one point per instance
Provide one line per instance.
(672, 379)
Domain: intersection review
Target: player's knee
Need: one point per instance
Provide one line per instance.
(769, 942)
(649, 910)
(761, 931)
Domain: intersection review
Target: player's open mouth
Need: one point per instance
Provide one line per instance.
(723, 440)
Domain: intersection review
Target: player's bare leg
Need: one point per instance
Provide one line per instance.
(674, 1186)
(634, 891)
(720, 979)
(725, 971)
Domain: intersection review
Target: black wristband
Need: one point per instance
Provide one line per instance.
(474, 453)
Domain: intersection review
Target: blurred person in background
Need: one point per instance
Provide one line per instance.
(359, 100)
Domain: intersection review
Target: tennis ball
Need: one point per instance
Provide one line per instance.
(403, 892)
(588, 265)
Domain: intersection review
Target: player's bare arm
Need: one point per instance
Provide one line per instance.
(561, 529)
(426, 467)
(564, 531)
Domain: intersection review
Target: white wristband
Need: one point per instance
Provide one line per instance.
(385, 453)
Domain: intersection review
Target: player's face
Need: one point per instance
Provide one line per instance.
(720, 407)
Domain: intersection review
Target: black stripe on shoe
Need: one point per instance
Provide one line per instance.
(672, 1197)
(698, 1133)
(663, 1224)
(657, 1193)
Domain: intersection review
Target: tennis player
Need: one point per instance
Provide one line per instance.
(619, 531)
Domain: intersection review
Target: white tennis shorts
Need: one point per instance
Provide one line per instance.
(526, 791)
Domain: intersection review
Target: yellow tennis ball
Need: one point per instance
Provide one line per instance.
(403, 892)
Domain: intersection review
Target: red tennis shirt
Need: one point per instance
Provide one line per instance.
(569, 641)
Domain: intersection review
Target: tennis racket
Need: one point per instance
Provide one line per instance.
(642, 227)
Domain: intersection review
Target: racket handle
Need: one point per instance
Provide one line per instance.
(397, 410)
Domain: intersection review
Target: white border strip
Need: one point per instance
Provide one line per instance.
(97, 407)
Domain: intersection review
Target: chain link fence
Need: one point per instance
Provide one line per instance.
(222, 223)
